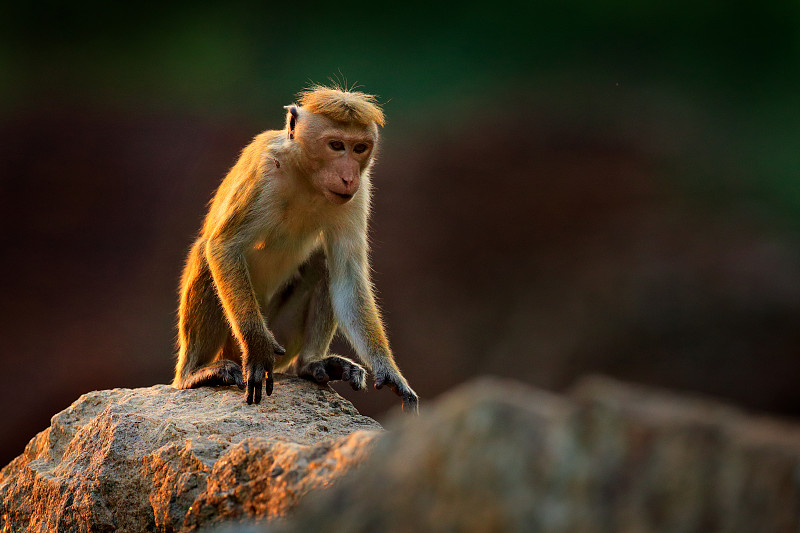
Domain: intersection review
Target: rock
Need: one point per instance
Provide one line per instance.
(161, 459)
(495, 455)
(492, 455)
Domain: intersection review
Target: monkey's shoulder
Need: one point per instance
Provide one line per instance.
(268, 143)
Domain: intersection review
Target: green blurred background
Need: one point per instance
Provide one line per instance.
(563, 188)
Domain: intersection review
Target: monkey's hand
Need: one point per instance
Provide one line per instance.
(258, 372)
(400, 386)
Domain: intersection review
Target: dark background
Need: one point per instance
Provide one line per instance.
(563, 188)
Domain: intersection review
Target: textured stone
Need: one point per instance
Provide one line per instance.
(494, 455)
(161, 459)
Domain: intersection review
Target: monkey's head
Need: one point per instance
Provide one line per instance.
(337, 134)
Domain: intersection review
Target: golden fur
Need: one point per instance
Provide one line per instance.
(342, 105)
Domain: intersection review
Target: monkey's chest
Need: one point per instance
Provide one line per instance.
(273, 260)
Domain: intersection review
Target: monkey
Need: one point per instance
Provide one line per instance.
(281, 260)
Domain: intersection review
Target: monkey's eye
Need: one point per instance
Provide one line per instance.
(336, 145)
(360, 148)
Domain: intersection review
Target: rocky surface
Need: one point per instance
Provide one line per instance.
(491, 456)
(496, 456)
(160, 459)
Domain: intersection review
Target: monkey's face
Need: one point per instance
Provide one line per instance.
(336, 155)
(343, 157)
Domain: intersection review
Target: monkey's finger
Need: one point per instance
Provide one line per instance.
(258, 390)
(358, 379)
(250, 389)
(392, 386)
(270, 383)
(411, 404)
(278, 349)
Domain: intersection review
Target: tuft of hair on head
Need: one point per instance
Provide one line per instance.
(342, 105)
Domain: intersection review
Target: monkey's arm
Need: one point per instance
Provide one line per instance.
(224, 250)
(359, 317)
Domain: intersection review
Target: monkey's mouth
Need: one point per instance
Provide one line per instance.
(338, 198)
(343, 196)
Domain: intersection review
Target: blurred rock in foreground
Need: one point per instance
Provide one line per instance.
(496, 456)
(160, 459)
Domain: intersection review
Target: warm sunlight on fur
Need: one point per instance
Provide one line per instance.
(282, 261)
(342, 105)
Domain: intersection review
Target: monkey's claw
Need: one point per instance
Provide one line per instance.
(335, 368)
(400, 387)
(257, 376)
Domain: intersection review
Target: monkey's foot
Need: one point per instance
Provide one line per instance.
(222, 372)
(400, 387)
(335, 368)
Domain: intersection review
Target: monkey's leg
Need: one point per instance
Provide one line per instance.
(354, 306)
(305, 318)
(202, 330)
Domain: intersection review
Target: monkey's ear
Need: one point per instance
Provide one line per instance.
(291, 118)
